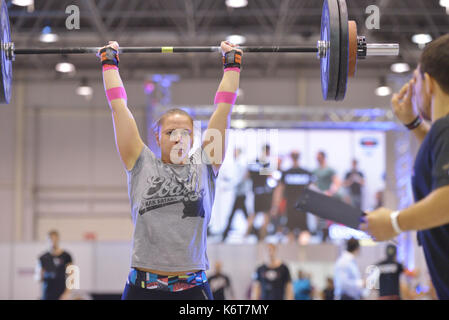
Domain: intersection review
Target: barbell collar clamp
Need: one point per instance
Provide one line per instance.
(323, 47)
(362, 48)
(8, 48)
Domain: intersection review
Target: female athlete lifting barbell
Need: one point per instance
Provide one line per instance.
(171, 198)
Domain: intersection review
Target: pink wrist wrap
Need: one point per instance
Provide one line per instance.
(232, 69)
(225, 97)
(109, 67)
(116, 93)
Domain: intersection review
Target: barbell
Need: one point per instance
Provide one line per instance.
(338, 49)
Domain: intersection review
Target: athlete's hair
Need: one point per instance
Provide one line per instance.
(158, 123)
(435, 61)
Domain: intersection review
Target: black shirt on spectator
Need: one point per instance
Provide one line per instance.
(355, 187)
(54, 268)
(273, 281)
(390, 272)
(218, 284)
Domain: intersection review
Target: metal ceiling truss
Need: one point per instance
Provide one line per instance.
(206, 22)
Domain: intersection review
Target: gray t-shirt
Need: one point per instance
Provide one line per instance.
(171, 207)
(324, 178)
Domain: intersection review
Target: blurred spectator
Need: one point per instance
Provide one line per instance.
(272, 280)
(302, 287)
(327, 182)
(220, 284)
(347, 280)
(312, 287)
(249, 290)
(389, 275)
(379, 200)
(51, 270)
(263, 193)
(328, 292)
(354, 181)
(242, 186)
(293, 181)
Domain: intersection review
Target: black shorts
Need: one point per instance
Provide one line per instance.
(262, 202)
(296, 219)
(134, 292)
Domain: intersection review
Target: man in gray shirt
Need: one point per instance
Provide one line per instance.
(327, 182)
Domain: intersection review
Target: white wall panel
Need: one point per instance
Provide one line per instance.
(73, 229)
(6, 214)
(6, 282)
(113, 262)
(7, 172)
(7, 144)
(63, 154)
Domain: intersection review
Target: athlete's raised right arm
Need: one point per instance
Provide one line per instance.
(127, 138)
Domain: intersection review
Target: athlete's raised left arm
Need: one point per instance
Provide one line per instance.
(215, 138)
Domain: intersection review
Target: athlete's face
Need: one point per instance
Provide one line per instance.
(175, 138)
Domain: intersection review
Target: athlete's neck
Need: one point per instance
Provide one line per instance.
(168, 161)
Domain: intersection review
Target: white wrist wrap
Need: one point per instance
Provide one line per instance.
(394, 221)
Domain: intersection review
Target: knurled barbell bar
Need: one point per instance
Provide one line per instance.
(338, 50)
